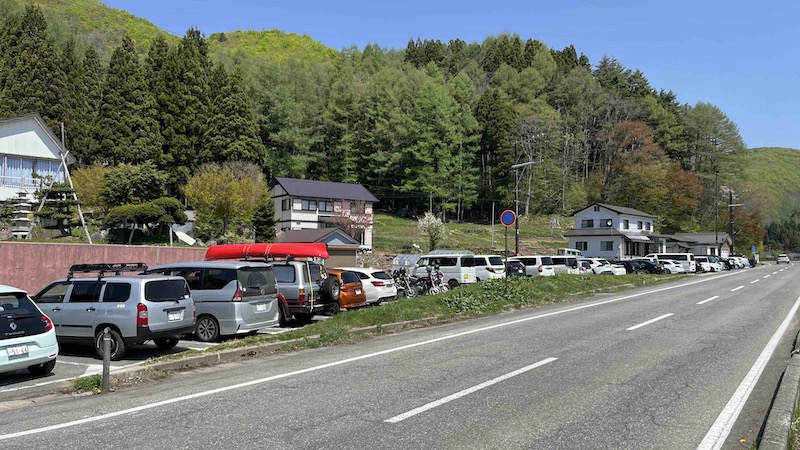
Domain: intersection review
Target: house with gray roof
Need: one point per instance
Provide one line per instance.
(311, 204)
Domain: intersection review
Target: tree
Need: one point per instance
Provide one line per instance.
(434, 228)
(264, 220)
(89, 182)
(132, 184)
(58, 206)
(351, 217)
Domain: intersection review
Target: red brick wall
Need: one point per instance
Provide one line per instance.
(31, 266)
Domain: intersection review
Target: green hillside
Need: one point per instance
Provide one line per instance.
(272, 45)
(773, 180)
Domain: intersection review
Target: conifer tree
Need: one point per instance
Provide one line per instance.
(88, 87)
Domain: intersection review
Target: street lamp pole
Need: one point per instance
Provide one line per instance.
(716, 212)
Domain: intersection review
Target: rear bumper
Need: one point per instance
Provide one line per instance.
(146, 334)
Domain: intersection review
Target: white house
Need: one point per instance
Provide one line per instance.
(612, 232)
(302, 204)
(28, 147)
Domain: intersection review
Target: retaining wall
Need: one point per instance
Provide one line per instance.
(31, 265)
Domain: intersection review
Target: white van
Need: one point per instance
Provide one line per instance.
(535, 265)
(566, 264)
(489, 267)
(457, 266)
(685, 259)
(569, 252)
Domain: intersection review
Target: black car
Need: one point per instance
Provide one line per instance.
(515, 269)
(649, 266)
(630, 266)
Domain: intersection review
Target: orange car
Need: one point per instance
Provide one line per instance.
(352, 291)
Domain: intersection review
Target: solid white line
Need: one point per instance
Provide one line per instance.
(736, 289)
(708, 300)
(468, 391)
(341, 362)
(755, 281)
(718, 432)
(648, 322)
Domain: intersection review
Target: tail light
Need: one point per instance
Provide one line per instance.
(301, 296)
(237, 296)
(48, 324)
(541, 269)
(378, 283)
(141, 315)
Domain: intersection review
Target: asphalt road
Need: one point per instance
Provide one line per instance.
(691, 364)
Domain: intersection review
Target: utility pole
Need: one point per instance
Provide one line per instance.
(730, 219)
(716, 212)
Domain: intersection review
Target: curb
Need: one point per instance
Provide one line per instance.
(778, 428)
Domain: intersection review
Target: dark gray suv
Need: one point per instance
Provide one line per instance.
(307, 288)
(137, 308)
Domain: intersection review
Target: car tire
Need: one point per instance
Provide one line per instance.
(207, 329)
(118, 348)
(43, 368)
(669, 272)
(331, 291)
(166, 343)
(335, 309)
(282, 320)
(453, 284)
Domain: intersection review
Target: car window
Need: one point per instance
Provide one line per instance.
(495, 260)
(361, 275)
(317, 272)
(467, 261)
(117, 292)
(284, 274)
(193, 277)
(218, 278)
(52, 294)
(381, 275)
(256, 279)
(16, 305)
(479, 261)
(547, 261)
(349, 277)
(85, 292)
(166, 290)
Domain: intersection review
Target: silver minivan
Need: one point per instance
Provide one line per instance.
(231, 297)
(136, 308)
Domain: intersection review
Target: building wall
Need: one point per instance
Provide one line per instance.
(31, 266)
(617, 220)
(31, 149)
(594, 248)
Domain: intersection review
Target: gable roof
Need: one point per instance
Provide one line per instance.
(39, 121)
(325, 189)
(706, 238)
(326, 235)
(618, 209)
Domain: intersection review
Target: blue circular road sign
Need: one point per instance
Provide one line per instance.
(508, 217)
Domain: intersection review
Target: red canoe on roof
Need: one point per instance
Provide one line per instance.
(274, 250)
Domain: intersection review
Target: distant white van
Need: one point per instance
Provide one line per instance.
(569, 252)
(458, 267)
(685, 259)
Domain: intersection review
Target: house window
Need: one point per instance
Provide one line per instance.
(285, 204)
(325, 206)
(309, 205)
(647, 225)
(639, 225)
(358, 207)
(626, 224)
(607, 246)
(606, 223)
(587, 223)
(581, 245)
(596, 208)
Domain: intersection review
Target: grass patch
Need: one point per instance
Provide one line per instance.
(90, 383)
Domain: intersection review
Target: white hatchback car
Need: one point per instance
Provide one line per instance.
(672, 266)
(782, 258)
(378, 285)
(488, 267)
(27, 336)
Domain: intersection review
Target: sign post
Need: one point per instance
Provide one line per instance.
(507, 218)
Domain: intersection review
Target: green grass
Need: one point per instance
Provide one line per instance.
(772, 182)
(539, 234)
(90, 383)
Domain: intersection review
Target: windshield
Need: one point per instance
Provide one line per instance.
(381, 275)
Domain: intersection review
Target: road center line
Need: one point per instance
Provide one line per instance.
(718, 432)
(736, 288)
(766, 276)
(648, 322)
(775, 273)
(468, 391)
(184, 398)
(708, 300)
(755, 281)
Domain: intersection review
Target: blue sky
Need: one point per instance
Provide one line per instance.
(742, 56)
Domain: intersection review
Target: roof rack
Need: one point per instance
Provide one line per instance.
(103, 268)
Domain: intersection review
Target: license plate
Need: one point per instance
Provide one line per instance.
(175, 315)
(388, 285)
(261, 307)
(17, 350)
(358, 291)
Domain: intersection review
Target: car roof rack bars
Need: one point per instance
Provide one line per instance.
(103, 268)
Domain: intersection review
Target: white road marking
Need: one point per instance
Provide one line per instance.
(754, 281)
(58, 361)
(766, 276)
(468, 391)
(718, 432)
(341, 362)
(708, 300)
(736, 289)
(648, 322)
(775, 273)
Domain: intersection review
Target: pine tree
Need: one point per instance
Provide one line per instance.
(127, 129)
(89, 85)
(264, 220)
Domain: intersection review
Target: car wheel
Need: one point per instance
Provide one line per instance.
(331, 291)
(453, 284)
(207, 329)
(377, 302)
(335, 309)
(304, 318)
(669, 272)
(166, 343)
(43, 368)
(117, 344)
(282, 321)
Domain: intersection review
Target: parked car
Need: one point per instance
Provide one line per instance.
(585, 267)
(515, 268)
(704, 264)
(601, 266)
(565, 264)
(671, 266)
(231, 297)
(27, 335)
(649, 266)
(457, 266)
(489, 267)
(631, 267)
(136, 308)
(536, 266)
(717, 262)
(782, 258)
(352, 289)
(685, 259)
(378, 285)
